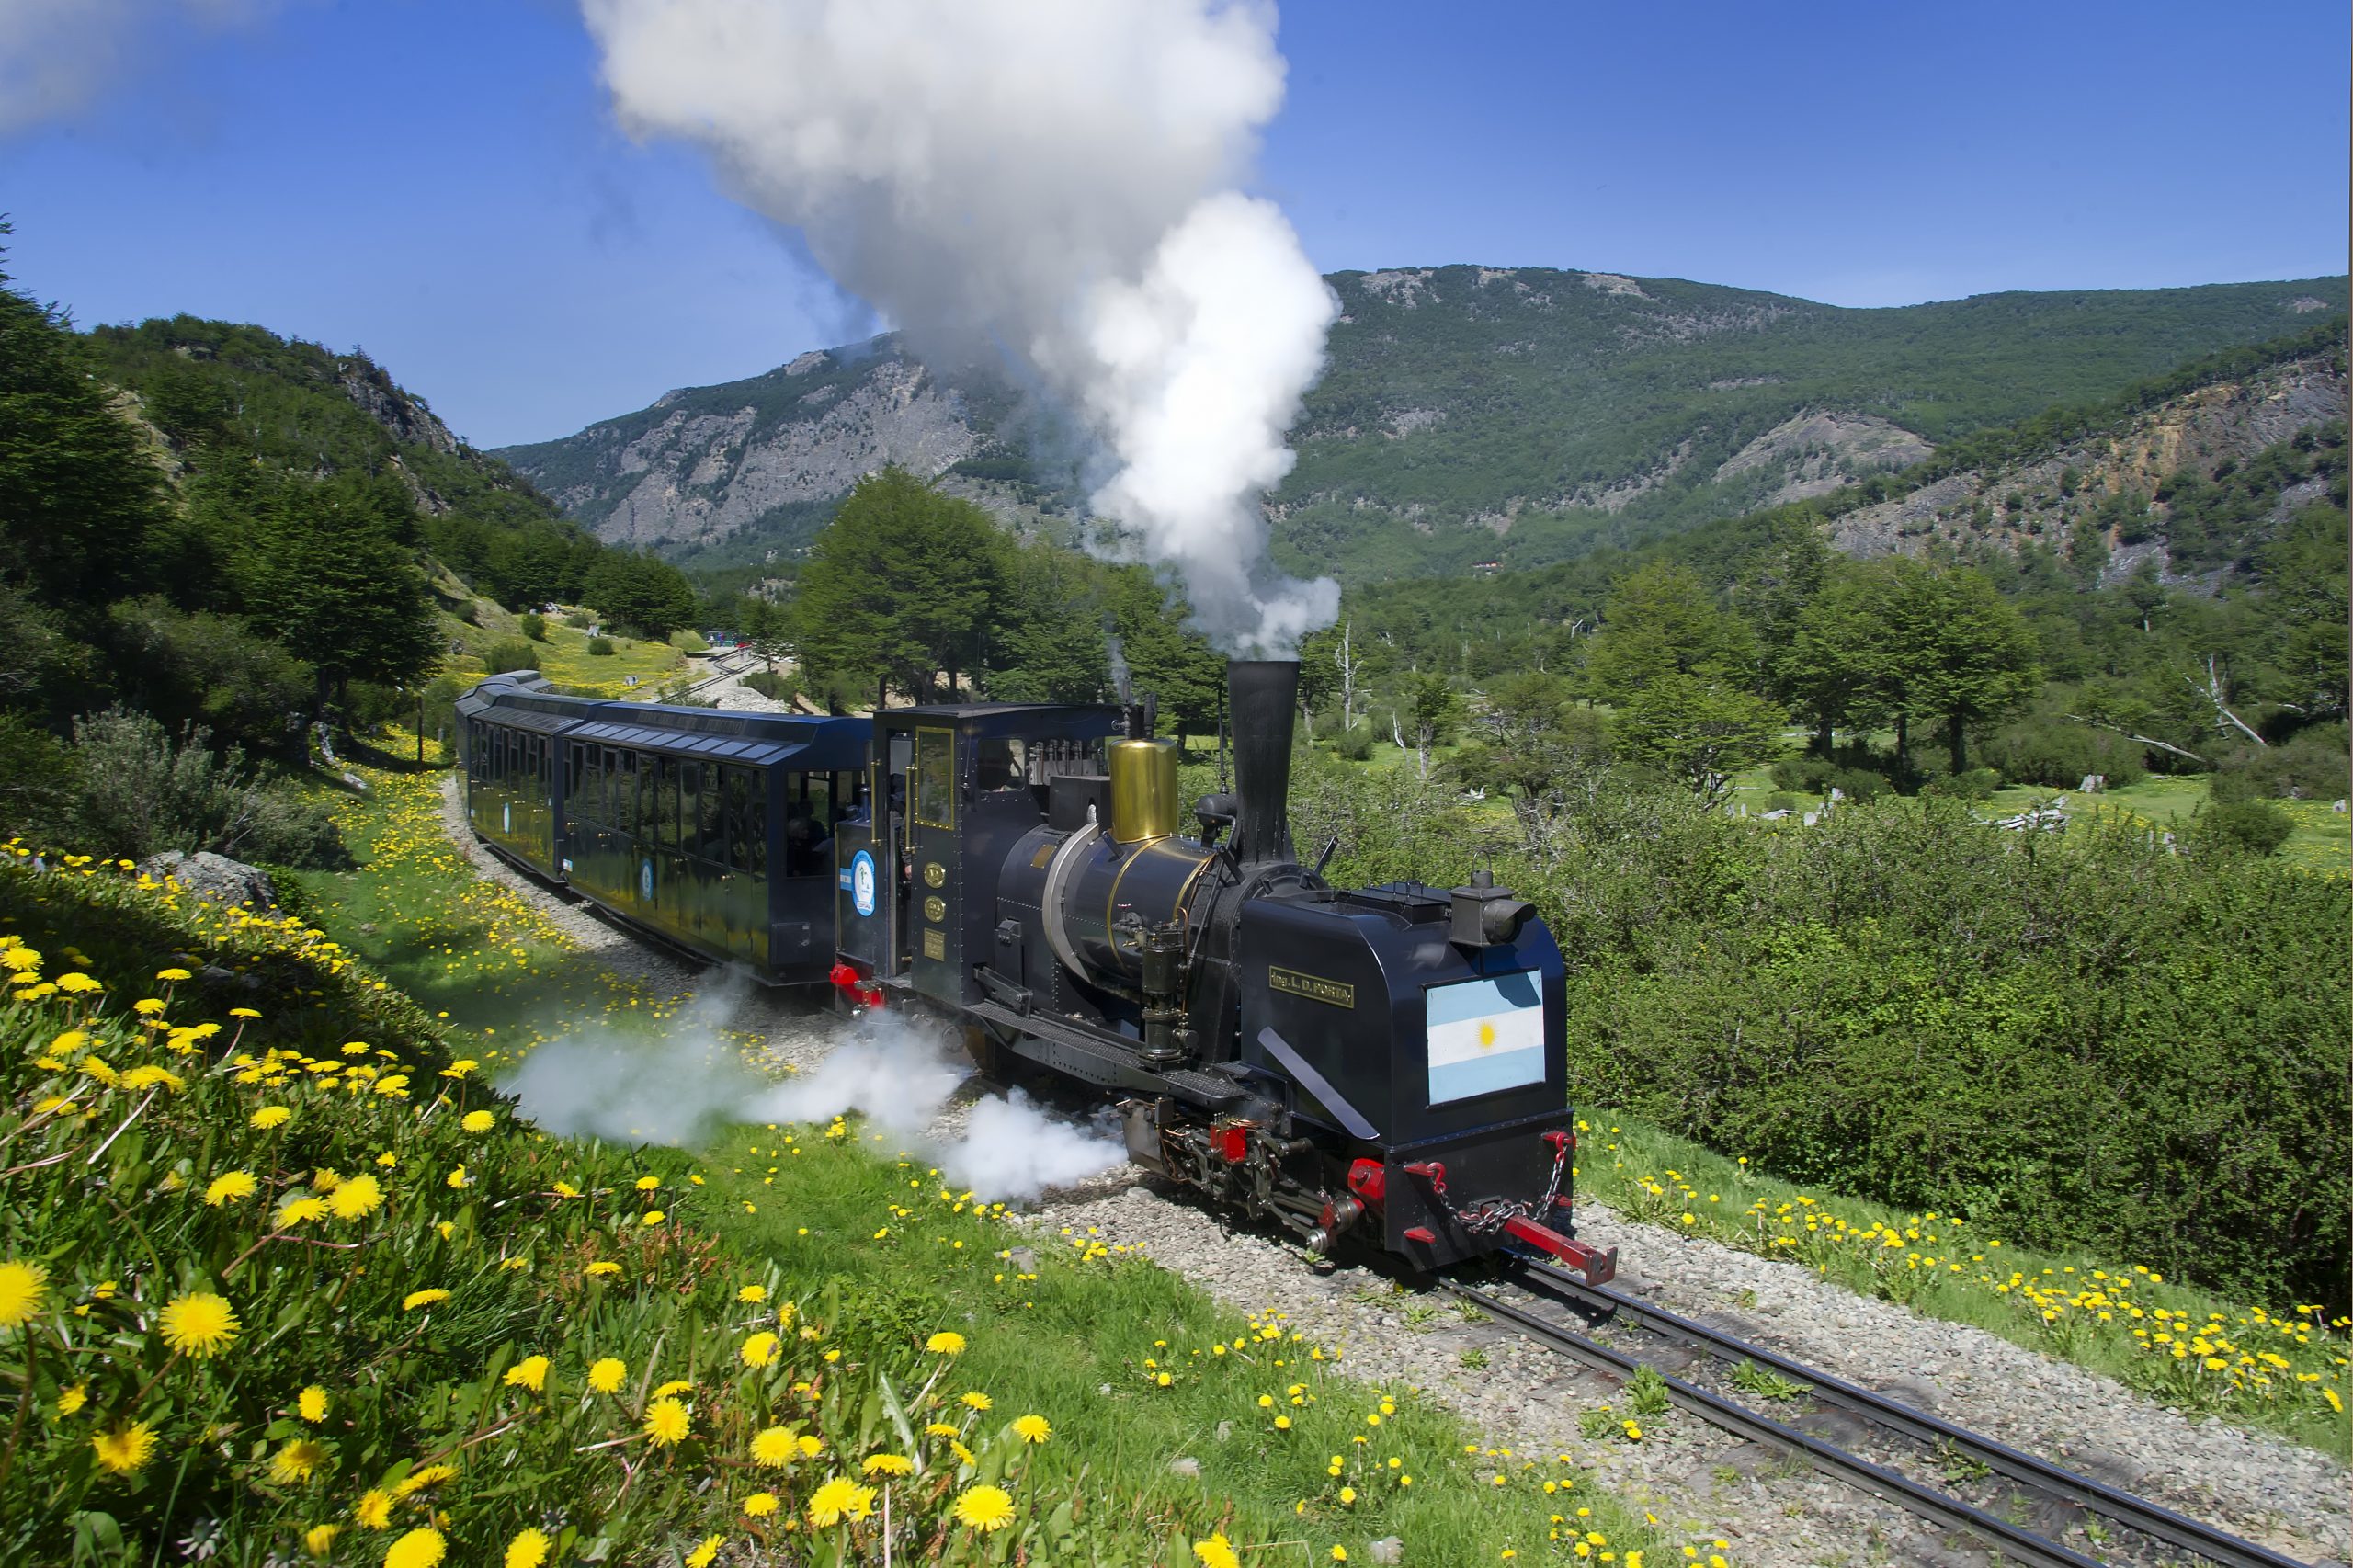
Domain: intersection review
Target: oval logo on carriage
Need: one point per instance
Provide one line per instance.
(861, 882)
(645, 879)
(934, 873)
(935, 909)
(506, 818)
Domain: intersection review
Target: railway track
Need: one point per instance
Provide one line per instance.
(2045, 1494)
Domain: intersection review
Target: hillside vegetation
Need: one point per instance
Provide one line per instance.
(1467, 414)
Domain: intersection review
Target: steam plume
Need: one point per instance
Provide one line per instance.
(687, 1085)
(1052, 179)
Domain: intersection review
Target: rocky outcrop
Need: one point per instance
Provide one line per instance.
(1817, 452)
(402, 414)
(215, 878)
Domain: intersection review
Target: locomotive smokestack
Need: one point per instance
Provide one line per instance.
(1264, 698)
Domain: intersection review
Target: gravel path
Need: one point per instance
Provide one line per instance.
(1695, 1478)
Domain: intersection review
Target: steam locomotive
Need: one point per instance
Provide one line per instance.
(1381, 1062)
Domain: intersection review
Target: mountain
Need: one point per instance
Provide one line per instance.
(1468, 415)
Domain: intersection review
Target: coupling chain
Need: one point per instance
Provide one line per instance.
(1491, 1216)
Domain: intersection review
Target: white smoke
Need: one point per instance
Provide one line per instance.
(682, 1089)
(57, 55)
(1056, 180)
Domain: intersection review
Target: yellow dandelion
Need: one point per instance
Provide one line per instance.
(416, 1299)
(125, 1449)
(72, 1398)
(983, 1508)
(230, 1187)
(840, 1498)
(418, 1549)
(759, 1504)
(172, 974)
(607, 1374)
(478, 1121)
(311, 1404)
(76, 983)
(773, 1448)
(700, 1557)
(457, 1178)
(22, 1288)
(1033, 1429)
(598, 1270)
(947, 1341)
(888, 1464)
(647, 1183)
(374, 1509)
(319, 1539)
(676, 1385)
(150, 1077)
(243, 1013)
(199, 1323)
(978, 1401)
(752, 1293)
(430, 1475)
(761, 1350)
(300, 1211)
(530, 1372)
(270, 1116)
(148, 1006)
(653, 1217)
(667, 1422)
(357, 1197)
(297, 1460)
(528, 1550)
(1216, 1553)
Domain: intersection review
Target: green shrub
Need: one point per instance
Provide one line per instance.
(1354, 745)
(2255, 825)
(2310, 766)
(600, 647)
(1977, 784)
(534, 626)
(142, 792)
(511, 654)
(776, 686)
(2059, 755)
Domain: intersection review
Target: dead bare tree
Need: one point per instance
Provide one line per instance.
(2224, 720)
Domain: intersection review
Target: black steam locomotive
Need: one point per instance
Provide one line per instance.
(1384, 1061)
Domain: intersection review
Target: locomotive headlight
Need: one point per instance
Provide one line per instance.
(1485, 916)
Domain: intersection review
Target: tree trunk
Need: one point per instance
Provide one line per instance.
(1960, 740)
(1904, 738)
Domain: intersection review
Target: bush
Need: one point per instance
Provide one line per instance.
(41, 780)
(209, 669)
(511, 654)
(2059, 755)
(2310, 766)
(599, 647)
(1977, 784)
(773, 685)
(1856, 771)
(534, 625)
(142, 792)
(2257, 826)
(1354, 745)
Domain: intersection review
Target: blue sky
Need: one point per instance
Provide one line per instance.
(438, 181)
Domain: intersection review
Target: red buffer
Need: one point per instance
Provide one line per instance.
(1597, 1266)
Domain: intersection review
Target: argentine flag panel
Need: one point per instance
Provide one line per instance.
(1485, 1035)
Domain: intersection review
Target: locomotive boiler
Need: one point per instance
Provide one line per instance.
(1384, 1062)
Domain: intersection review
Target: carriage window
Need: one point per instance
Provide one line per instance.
(1001, 764)
(739, 805)
(640, 821)
(690, 807)
(808, 824)
(712, 832)
(934, 767)
(755, 829)
(666, 802)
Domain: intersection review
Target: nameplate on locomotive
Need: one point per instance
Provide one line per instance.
(935, 909)
(1315, 988)
(934, 873)
(935, 946)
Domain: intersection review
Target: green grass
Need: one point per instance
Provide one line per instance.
(1943, 1268)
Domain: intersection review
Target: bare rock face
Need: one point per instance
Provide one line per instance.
(214, 877)
(402, 414)
(1817, 452)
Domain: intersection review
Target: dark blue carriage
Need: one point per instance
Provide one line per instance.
(711, 830)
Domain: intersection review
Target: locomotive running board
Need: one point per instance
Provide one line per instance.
(1072, 1049)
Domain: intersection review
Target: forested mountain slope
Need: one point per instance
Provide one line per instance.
(1468, 415)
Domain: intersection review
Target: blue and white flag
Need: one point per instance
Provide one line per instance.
(1485, 1035)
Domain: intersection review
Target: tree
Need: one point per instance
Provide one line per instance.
(1679, 671)
(1319, 676)
(639, 594)
(1661, 623)
(1427, 713)
(1532, 743)
(904, 583)
(765, 628)
(1968, 654)
(1699, 734)
(1049, 644)
(78, 494)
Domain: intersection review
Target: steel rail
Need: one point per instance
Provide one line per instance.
(2094, 1496)
(2014, 1544)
